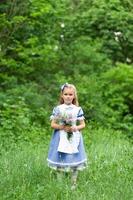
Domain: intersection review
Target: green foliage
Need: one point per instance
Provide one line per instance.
(85, 57)
(118, 95)
(14, 120)
(22, 119)
(46, 43)
(108, 21)
(90, 97)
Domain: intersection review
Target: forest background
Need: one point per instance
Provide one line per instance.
(44, 44)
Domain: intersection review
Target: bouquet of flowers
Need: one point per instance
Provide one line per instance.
(66, 119)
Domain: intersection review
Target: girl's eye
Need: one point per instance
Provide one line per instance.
(68, 94)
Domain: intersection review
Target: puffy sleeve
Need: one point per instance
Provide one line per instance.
(80, 115)
(55, 113)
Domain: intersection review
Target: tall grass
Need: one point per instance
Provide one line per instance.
(24, 174)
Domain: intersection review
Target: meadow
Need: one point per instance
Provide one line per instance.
(24, 174)
(44, 44)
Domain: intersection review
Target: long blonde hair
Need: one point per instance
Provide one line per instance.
(75, 100)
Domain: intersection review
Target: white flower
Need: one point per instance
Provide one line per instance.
(128, 60)
(62, 37)
(56, 48)
(117, 33)
(116, 39)
(62, 25)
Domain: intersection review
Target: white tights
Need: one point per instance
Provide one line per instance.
(74, 175)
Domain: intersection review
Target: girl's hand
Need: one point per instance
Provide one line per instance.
(61, 127)
(74, 128)
(67, 128)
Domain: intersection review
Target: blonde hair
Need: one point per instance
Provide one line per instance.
(75, 100)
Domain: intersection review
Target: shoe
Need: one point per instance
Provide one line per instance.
(73, 187)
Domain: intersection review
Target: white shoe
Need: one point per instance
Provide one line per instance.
(73, 187)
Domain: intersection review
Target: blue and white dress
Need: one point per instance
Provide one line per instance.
(66, 161)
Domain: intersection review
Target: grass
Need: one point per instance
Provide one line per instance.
(24, 174)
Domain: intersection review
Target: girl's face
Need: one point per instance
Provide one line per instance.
(68, 95)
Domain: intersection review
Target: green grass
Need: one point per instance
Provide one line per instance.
(24, 174)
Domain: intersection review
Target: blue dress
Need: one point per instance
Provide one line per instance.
(66, 161)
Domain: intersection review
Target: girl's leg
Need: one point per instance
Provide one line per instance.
(74, 177)
(59, 174)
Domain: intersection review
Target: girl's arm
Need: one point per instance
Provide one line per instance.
(55, 125)
(78, 127)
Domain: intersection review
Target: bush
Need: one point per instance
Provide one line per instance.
(118, 96)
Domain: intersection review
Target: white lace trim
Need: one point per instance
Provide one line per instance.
(69, 164)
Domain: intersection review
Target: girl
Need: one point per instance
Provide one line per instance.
(66, 151)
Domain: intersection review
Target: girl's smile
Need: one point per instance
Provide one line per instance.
(68, 95)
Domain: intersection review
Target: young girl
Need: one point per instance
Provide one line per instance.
(66, 151)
